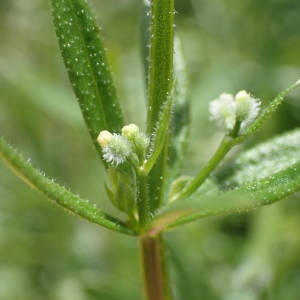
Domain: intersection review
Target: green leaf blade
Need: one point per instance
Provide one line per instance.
(85, 59)
(145, 21)
(55, 192)
(242, 199)
(266, 159)
(180, 123)
(160, 73)
(160, 85)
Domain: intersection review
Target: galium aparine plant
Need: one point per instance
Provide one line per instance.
(143, 166)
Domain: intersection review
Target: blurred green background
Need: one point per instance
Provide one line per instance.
(47, 254)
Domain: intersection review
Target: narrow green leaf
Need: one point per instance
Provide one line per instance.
(161, 58)
(85, 59)
(180, 122)
(245, 198)
(57, 193)
(267, 112)
(145, 21)
(160, 82)
(159, 136)
(266, 158)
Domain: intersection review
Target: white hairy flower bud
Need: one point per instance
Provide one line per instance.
(227, 110)
(117, 150)
(222, 111)
(115, 147)
(247, 108)
(130, 145)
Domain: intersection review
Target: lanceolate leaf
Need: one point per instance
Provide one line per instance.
(266, 159)
(87, 66)
(57, 193)
(180, 122)
(145, 22)
(160, 82)
(161, 58)
(247, 197)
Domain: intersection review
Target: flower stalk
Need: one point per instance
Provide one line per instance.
(224, 147)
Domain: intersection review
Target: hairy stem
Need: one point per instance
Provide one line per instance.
(156, 281)
(143, 200)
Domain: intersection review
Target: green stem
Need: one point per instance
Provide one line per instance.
(156, 281)
(143, 199)
(226, 144)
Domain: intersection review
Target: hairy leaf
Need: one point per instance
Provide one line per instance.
(242, 199)
(180, 122)
(57, 193)
(86, 62)
(145, 21)
(266, 159)
(160, 73)
(160, 84)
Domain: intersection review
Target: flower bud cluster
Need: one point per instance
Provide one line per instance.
(130, 145)
(229, 111)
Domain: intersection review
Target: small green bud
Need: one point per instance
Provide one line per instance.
(130, 145)
(130, 131)
(139, 140)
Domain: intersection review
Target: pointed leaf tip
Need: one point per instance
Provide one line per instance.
(87, 65)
